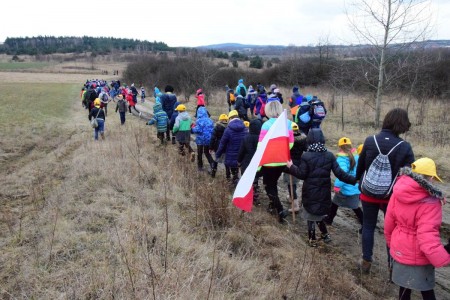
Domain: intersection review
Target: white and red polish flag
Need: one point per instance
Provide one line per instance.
(273, 148)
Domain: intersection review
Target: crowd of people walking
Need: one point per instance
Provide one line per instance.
(381, 174)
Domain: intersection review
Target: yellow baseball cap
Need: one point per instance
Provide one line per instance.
(425, 166)
(181, 107)
(232, 113)
(223, 117)
(344, 141)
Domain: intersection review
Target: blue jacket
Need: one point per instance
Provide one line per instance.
(203, 128)
(159, 118)
(231, 142)
(344, 163)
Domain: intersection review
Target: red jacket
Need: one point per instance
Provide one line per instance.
(129, 98)
(412, 223)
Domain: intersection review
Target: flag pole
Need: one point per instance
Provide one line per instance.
(291, 187)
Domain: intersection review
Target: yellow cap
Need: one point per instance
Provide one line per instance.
(246, 123)
(181, 107)
(294, 126)
(232, 113)
(359, 149)
(97, 102)
(223, 117)
(344, 141)
(425, 166)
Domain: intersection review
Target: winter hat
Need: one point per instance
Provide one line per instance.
(241, 81)
(425, 166)
(273, 86)
(295, 89)
(157, 107)
(199, 91)
(344, 141)
(276, 91)
(294, 127)
(97, 102)
(250, 87)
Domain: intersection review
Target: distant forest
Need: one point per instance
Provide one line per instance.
(97, 45)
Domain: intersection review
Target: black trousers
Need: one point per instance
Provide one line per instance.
(270, 180)
(203, 149)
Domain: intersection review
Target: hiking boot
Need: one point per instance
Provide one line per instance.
(282, 216)
(173, 141)
(312, 243)
(326, 238)
(192, 156)
(365, 266)
(296, 207)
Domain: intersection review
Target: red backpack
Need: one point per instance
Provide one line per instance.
(262, 111)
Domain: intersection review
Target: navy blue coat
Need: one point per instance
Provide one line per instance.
(168, 101)
(231, 142)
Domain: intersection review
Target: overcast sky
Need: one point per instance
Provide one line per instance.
(193, 22)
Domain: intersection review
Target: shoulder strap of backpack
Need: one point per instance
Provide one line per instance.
(376, 143)
(394, 147)
(379, 151)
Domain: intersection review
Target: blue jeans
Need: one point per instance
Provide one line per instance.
(370, 217)
(100, 128)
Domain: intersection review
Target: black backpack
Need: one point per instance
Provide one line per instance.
(242, 91)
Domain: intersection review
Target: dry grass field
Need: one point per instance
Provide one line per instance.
(126, 218)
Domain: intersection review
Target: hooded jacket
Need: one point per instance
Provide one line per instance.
(239, 106)
(159, 118)
(315, 168)
(231, 142)
(412, 222)
(182, 127)
(203, 128)
(344, 163)
(200, 98)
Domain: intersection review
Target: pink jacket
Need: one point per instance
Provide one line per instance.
(412, 223)
(200, 97)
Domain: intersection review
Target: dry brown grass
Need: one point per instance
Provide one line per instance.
(127, 218)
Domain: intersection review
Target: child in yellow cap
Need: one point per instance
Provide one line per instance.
(346, 195)
(411, 229)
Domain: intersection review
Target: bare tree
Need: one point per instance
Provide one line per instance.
(388, 27)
